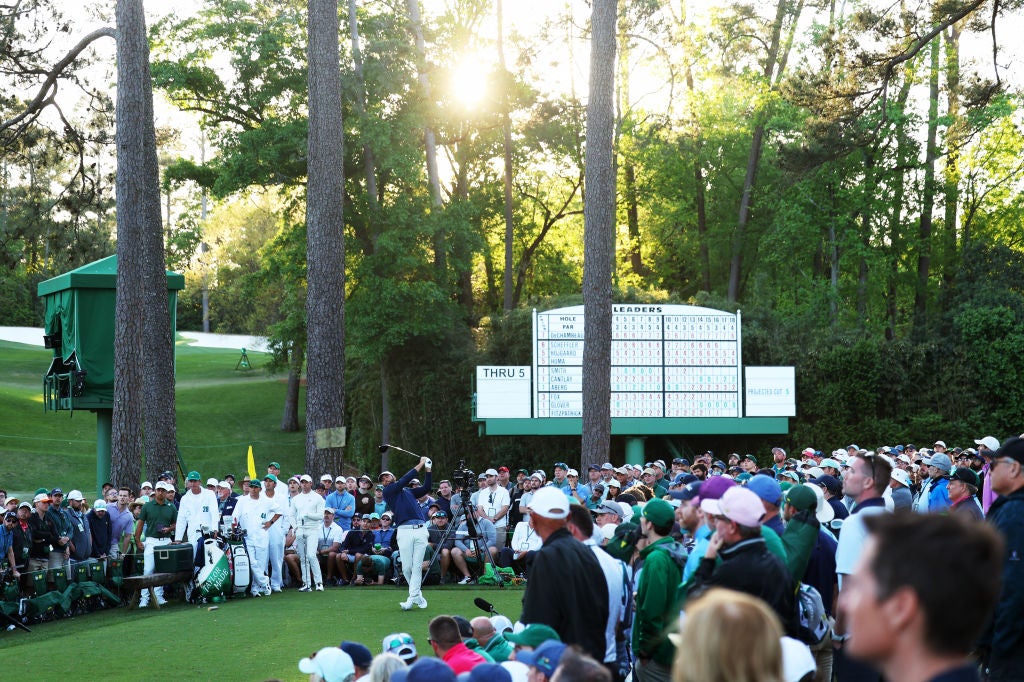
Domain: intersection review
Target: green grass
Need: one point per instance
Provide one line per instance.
(244, 639)
(220, 412)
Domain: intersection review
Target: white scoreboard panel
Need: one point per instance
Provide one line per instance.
(667, 361)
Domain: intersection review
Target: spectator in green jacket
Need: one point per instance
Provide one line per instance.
(487, 639)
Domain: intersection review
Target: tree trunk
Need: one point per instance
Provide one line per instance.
(385, 413)
(142, 280)
(951, 175)
(924, 233)
(325, 246)
(369, 160)
(429, 142)
(599, 236)
(290, 418)
(506, 126)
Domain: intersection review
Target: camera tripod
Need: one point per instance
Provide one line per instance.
(468, 513)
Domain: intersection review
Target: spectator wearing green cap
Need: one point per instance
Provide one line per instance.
(656, 604)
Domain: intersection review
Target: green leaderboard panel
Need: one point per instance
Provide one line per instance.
(632, 426)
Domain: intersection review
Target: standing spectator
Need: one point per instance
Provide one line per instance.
(866, 481)
(963, 490)
(10, 520)
(747, 565)
(159, 518)
(198, 509)
(44, 534)
(897, 603)
(729, 635)
(121, 519)
(343, 504)
(60, 549)
(902, 498)
(493, 504)
(619, 581)
(411, 529)
(934, 495)
(81, 536)
(22, 536)
(101, 528)
(309, 514)
(1003, 641)
(833, 489)
(987, 447)
(504, 479)
(563, 578)
(364, 495)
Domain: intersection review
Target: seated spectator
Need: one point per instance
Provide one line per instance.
(328, 542)
(487, 638)
(329, 664)
(448, 646)
(578, 667)
(425, 670)
(543, 660)
(465, 550)
(383, 666)
(361, 657)
(401, 644)
(706, 648)
(525, 542)
(353, 547)
(531, 637)
(437, 542)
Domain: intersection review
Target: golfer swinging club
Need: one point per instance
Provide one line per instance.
(412, 528)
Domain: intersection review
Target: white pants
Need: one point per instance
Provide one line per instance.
(412, 545)
(258, 567)
(149, 566)
(275, 555)
(305, 544)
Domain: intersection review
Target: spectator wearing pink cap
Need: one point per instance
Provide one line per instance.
(747, 565)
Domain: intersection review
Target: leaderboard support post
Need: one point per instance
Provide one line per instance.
(635, 449)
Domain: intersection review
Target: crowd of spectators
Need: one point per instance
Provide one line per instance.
(613, 558)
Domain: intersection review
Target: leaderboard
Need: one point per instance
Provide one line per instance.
(667, 361)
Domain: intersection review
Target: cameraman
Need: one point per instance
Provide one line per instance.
(411, 529)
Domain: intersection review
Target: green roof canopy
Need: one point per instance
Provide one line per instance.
(100, 274)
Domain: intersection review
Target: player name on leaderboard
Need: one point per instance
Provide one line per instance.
(667, 361)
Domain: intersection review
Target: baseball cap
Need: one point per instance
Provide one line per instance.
(807, 452)
(329, 510)
(212, 481)
(491, 472)
(425, 670)
(607, 466)
(276, 465)
(825, 512)
(383, 474)
(306, 477)
(989, 442)
(25, 504)
(766, 488)
(609, 507)
(829, 483)
(659, 512)
(502, 469)
(193, 476)
(489, 672)
(268, 477)
(533, 635)
(550, 503)
(56, 491)
(10, 516)
(829, 462)
(940, 443)
(146, 484)
(401, 644)
(330, 663)
(1012, 447)
(328, 477)
(714, 488)
(941, 461)
(963, 474)
(41, 497)
(688, 492)
(802, 498)
(100, 505)
(737, 504)
(901, 476)
(75, 495)
(360, 655)
(544, 658)
(164, 485)
(482, 476)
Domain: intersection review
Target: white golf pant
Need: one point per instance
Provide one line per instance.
(412, 545)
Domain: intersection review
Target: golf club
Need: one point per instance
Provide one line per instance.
(384, 447)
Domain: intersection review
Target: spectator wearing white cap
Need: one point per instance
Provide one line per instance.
(902, 498)
(987, 447)
(81, 536)
(101, 529)
(560, 592)
(309, 513)
(492, 504)
(342, 502)
(329, 664)
(225, 500)
(159, 519)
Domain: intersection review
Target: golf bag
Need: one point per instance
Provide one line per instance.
(241, 575)
(214, 575)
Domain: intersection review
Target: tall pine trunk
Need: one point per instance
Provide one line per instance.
(143, 342)
(924, 231)
(325, 246)
(599, 237)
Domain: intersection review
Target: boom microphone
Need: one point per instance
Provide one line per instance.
(484, 605)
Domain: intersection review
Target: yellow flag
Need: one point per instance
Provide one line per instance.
(252, 465)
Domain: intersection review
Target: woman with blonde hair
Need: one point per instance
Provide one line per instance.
(728, 636)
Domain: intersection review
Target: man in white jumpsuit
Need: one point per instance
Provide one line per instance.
(276, 532)
(309, 513)
(255, 514)
(198, 509)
